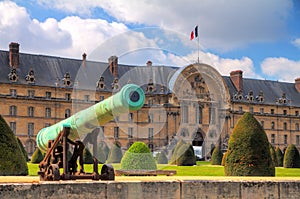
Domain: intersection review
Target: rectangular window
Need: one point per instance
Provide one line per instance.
(296, 113)
(13, 92)
(13, 127)
(262, 123)
(130, 132)
(31, 93)
(199, 115)
(185, 114)
(297, 126)
(272, 125)
(212, 116)
(48, 95)
(13, 110)
(150, 118)
(30, 129)
(101, 98)
(297, 139)
(262, 110)
(86, 98)
(30, 111)
(251, 110)
(116, 132)
(285, 139)
(47, 125)
(272, 111)
(48, 112)
(68, 96)
(284, 112)
(285, 126)
(240, 109)
(130, 117)
(272, 138)
(150, 133)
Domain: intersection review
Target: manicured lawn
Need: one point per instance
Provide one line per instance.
(201, 169)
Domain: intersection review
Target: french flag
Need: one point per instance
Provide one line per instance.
(194, 33)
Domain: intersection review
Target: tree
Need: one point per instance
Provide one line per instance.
(217, 155)
(115, 155)
(138, 157)
(12, 161)
(37, 156)
(186, 156)
(87, 156)
(279, 157)
(273, 155)
(248, 150)
(23, 150)
(291, 157)
(161, 158)
(175, 154)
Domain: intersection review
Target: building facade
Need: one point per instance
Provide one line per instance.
(194, 103)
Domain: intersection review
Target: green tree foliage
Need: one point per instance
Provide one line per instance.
(186, 155)
(12, 161)
(103, 152)
(248, 150)
(87, 156)
(23, 150)
(161, 158)
(138, 157)
(273, 155)
(217, 155)
(115, 154)
(175, 154)
(279, 157)
(37, 156)
(291, 157)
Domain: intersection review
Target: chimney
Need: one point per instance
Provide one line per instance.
(84, 59)
(113, 65)
(237, 79)
(14, 55)
(297, 84)
(149, 63)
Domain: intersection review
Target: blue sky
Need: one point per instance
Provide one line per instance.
(262, 38)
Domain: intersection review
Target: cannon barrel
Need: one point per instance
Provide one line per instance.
(131, 97)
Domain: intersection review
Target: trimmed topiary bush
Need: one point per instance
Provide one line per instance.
(138, 157)
(175, 155)
(23, 150)
(279, 157)
(273, 155)
(217, 155)
(223, 159)
(186, 156)
(12, 161)
(161, 158)
(103, 152)
(37, 156)
(248, 150)
(87, 156)
(291, 157)
(115, 155)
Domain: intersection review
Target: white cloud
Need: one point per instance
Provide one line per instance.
(281, 68)
(296, 42)
(223, 25)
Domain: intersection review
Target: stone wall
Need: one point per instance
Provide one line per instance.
(168, 189)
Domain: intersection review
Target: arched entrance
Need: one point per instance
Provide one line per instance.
(198, 138)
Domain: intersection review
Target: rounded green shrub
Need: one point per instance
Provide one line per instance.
(248, 150)
(23, 150)
(138, 157)
(161, 158)
(12, 161)
(273, 155)
(217, 155)
(186, 156)
(37, 156)
(87, 156)
(291, 157)
(175, 155)
(115, 154)
(279, 157)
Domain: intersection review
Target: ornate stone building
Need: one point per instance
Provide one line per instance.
(194, 102)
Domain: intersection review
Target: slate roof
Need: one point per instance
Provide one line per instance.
(48, 70)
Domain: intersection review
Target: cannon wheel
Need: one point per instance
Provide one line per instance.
(52, 173)
(107, 172)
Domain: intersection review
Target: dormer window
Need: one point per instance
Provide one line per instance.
(282, 100)
(13, 77)
(150, 88)
(115, 85)
(238, 95)
(67, 79)
(100, 83)
(250, 96)
(260, 97)
(30, 79)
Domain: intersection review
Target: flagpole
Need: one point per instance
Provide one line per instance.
(198, 49)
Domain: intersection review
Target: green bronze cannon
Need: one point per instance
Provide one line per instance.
(55, 140)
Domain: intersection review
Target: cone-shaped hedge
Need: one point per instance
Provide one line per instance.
(87, 156)
(103, 152)
(291, 157)
(186, 156)
(12, 161)
(138, 157)
(248, 150)
(279, 157)
(217, 155)
(161, 158)
(115, 155)
(273, 155)
(175, 155)
(23, 150)
(37, 156)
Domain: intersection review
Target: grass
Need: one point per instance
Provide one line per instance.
(201, 169)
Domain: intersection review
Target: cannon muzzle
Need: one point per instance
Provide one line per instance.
(130, 98)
